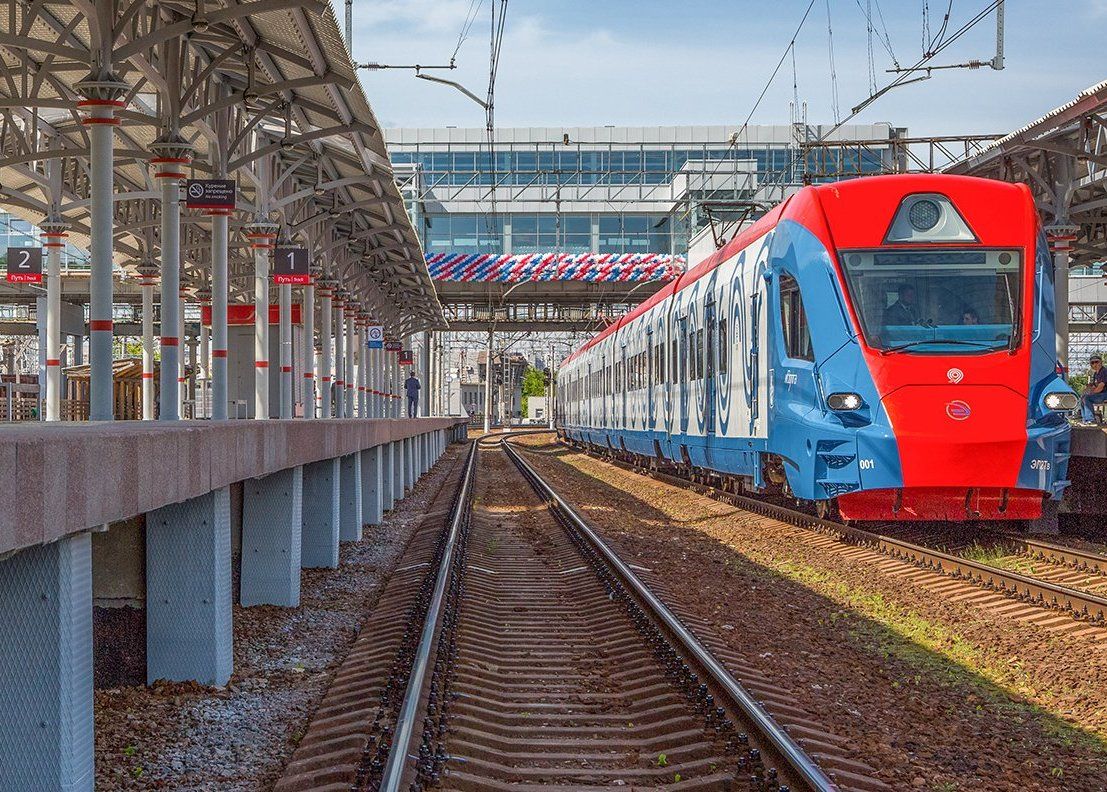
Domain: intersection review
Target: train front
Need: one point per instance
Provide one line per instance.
(949, 283)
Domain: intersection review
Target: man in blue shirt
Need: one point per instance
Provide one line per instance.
(1095, 392)
(411, 385)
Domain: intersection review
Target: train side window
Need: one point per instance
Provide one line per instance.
(724, 350)
(673, 365)
(699, 354)
(793, 320)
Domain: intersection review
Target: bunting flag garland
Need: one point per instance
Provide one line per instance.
(585, 267)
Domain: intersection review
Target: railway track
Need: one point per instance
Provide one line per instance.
(1048, 578)
(543, 661)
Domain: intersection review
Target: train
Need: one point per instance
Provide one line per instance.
(875, 349)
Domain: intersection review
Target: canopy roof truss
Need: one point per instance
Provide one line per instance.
(261, 91)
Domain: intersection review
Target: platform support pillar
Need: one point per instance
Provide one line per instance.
(307, 397)
(272, 525)
(188, 590)
(371, 509)
(350, 498)
(388, 476)
(46, 712)
(321, 514)
(219, 241)
(398, 471)
(339, 357)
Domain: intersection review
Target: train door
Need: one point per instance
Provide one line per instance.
(709, 367)
(605, 378)
(753, 368)
(682, 374)
(650, 355)
(590, 388)
(621, 387)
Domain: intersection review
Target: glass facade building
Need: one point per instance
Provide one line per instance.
(602, 189)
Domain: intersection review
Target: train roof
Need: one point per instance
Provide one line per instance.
(900, 184)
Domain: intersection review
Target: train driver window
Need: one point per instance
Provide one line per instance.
(793, 320)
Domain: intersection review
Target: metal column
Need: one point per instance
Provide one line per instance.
(171, 157)
(1061, 238)
(148, 272)
(102, 93)
(308, 310)
(285, 297)
(219, 241)
(261, 240)
(339, 357)
(326, 331)
(182, 380)
(199, 407)
(351, 375)
(53, 232)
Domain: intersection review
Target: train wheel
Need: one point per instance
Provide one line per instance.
(827, 509)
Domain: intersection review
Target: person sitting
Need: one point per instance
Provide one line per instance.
(904, 310)
(1095, 392)
(969, 317)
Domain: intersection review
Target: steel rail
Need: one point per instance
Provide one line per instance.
(796, 758)
(1084, 560)
(398, 754)
(1038, 592)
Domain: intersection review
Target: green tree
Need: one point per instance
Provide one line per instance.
(534, 384)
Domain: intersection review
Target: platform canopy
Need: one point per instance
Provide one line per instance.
(1063, 157)
(263, 92)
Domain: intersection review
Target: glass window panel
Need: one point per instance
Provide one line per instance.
(635, 223)
(524, 224)
(576, 224)
(610, 224)
(547, 223)
(465, 160)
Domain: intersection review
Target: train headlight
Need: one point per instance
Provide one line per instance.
(1061, 401)
(844, 402)
(924, 215)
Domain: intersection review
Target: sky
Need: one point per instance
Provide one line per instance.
(646, 62)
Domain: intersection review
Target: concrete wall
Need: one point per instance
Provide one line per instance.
(66, 478)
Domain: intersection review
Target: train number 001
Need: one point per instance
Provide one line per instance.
(866, 464)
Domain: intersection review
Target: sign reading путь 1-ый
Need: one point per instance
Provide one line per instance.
(24, 265)
(407, 357)
(210, 193)
(291, 265)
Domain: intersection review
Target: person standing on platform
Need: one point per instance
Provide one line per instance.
(412, 386)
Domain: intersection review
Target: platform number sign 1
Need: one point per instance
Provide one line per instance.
(376, 337)
(24, 265)
(291, 265)
(407, 357)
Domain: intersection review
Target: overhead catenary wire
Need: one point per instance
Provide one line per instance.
(834, 109)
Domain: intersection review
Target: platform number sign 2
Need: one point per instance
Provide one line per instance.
(291, 265)
(24, 265)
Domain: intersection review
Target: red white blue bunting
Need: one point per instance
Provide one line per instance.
(586, 267)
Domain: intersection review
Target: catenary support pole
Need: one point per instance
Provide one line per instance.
(488, 385)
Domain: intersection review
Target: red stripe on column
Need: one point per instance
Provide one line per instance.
(52, 362)
(309, 375)
(169, 341)
(286, 369)
(326, 379)
(218, 353)
(261, 364)
(100, 325)
(147, 375)
(182, 379)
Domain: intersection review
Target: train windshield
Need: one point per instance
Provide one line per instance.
(935, 301)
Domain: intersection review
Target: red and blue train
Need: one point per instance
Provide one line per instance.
(883, 347)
